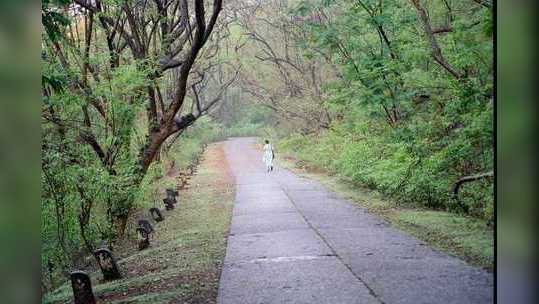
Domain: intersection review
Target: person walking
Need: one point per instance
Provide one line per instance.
(268, 156)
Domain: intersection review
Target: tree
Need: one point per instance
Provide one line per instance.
(287, 79)
(110, 68)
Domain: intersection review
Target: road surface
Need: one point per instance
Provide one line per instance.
(293, 241)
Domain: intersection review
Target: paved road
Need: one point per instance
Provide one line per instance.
(292, 241)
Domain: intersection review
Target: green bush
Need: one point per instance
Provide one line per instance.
(414, 173)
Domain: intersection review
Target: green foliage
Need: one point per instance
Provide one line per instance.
(191, 144)
(405, 126)
(106, 114)
(181, 154)
(111, 194)
(249, 120)
(53, 21)
(83, 192)
(411, 173)
(189, 244)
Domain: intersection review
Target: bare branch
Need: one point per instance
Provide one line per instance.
(436, 51)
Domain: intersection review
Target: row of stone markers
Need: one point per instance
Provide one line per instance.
(145, 229)
(183, 177)
(80, 281)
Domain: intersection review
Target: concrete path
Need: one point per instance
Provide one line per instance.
(292, 241)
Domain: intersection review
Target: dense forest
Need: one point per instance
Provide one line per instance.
(395, 95)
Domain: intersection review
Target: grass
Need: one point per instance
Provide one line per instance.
(462, 236)
(468, 238)
(183, 263)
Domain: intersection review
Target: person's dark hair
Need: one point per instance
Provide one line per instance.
(267, 141)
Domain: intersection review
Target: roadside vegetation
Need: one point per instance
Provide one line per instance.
(184, 261)
(392, 96)
(123, 83)
(59, 258)
(396, 96)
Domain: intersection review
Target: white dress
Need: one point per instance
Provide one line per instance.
(268, 156)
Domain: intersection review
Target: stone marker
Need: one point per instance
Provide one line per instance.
(82, 288)
(106, 244)
(169, 205)
(146, 225)
(143, 238)
(156, 214)
(108, 265)
(171, 195)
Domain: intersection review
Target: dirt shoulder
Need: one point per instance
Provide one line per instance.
(184, 260)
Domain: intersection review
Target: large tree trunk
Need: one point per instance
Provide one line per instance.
(149, 152)
(121, 223)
